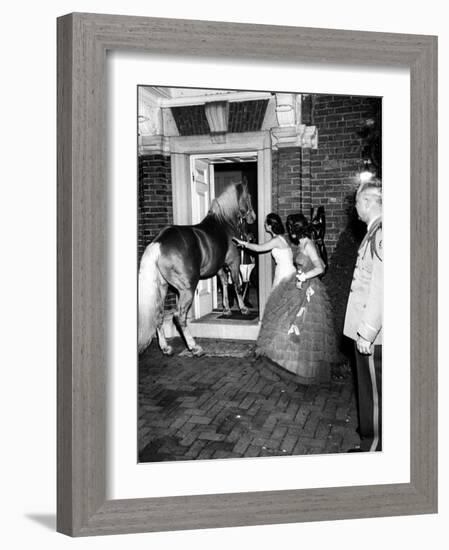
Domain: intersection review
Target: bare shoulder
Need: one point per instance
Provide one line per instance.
(309, 245)
(281, 241)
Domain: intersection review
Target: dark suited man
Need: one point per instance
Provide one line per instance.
(363, 322)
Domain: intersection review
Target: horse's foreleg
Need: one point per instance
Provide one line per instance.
(235, 274)
(165, 348)
(224, 285)
(180, 318)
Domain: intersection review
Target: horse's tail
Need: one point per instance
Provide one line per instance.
(152, 290)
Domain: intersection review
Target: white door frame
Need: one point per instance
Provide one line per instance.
(205, 295)
(182, 148)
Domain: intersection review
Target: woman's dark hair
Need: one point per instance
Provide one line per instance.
(298, 227)
(275, 222)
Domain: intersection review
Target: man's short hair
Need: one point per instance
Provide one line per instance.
(373, 188)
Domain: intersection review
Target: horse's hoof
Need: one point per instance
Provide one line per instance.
(197, 351)
(167, 351)
(227, 312)
(244, 311)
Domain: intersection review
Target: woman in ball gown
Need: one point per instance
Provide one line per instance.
(297, 331)
(277, 245)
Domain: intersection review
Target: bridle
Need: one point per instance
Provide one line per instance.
(248, 207)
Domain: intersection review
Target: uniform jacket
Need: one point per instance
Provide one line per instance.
(365, 302)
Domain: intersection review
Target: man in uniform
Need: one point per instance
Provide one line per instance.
(363, 322)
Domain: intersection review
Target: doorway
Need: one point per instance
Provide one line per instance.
(197, 162)
(210, 177)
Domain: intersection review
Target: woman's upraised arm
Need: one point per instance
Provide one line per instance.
(265, 247)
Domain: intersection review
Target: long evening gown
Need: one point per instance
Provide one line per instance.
(297, 331)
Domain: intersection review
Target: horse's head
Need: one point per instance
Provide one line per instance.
(245, 206)
(234, 205)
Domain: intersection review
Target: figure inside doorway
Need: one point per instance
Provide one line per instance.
(248, 270)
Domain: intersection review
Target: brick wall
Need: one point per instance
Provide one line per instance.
(155, 203)
(286, 181)
(303, 178)
(335, 165)
(155, 208)
(190, 120)
(247, 116)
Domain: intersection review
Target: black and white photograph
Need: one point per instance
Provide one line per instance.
(260, 276)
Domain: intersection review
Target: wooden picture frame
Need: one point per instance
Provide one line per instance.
(83, 40)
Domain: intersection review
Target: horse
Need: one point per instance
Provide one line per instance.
(181, 255)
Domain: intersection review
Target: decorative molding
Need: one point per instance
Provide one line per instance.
(283, 116)
(218, 96)
(236, 143)
(154, 145)
(217, 114)
(159, 93)
(309, 136)
(295, 136)
(153, 120)
(288, 109)
(270, 120)
(289, 131)
(149, 114)
(169, 123)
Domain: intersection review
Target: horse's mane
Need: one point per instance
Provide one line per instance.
(226, 206)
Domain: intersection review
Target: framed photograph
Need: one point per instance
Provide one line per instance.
(225, 191)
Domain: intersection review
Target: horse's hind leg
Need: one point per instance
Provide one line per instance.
(180, 318)
(164, 347)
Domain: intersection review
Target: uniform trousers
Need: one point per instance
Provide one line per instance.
(369, 398)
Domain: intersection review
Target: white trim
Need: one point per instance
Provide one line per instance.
(208, 98)
(181, 193)
(234, 330)
(244, 154)
(153, 145)
(235, 142)
(372, 371)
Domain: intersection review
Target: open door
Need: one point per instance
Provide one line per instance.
(202, 194)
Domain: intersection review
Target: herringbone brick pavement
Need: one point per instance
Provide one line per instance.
(230, 407)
